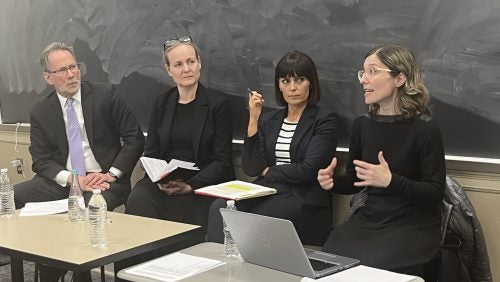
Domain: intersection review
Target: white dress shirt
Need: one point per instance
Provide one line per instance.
(91, 164)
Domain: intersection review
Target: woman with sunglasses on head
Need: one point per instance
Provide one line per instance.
(190, 123)
(396, 152)
(284, 149)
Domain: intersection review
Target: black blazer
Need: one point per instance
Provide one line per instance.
(313, 147)
(108, 122)
(212, 134)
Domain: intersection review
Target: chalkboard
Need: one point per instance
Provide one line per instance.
(456, 41)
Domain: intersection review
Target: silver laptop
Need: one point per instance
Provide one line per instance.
(274, 243)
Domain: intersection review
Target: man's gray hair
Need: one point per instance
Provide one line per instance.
(52, 47)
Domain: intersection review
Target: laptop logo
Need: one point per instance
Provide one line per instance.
(265, 243)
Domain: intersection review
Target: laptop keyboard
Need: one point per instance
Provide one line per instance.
(319, 265)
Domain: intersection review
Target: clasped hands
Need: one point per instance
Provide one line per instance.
(175, 187)
(94, 180)
(375, 175)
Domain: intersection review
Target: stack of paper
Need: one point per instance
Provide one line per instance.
(43, 208)
(174, 267)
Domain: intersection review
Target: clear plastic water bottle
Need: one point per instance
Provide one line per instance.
(230, 249)
(98, 219)
(76, 204)
(7, 206)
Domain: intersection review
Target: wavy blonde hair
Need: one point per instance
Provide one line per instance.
(413, 98)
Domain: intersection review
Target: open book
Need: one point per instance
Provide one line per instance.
(161, 171)
(235, 190)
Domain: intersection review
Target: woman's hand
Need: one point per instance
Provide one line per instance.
(177, 187)
(325, 176)
(375, 175)
(255, 102)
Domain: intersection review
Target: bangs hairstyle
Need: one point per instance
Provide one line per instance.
(412, 98)
(178, 43)
(296, 64)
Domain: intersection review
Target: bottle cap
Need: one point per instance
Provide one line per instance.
(230, 202)
(4, 170)
(74, 171)
(96, 191)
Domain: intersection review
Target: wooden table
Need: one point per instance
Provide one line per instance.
(55, 241)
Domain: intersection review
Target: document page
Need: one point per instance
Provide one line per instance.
(43, 208)
(174, 267)
(154, 167)
(362, 273)
(157, 169)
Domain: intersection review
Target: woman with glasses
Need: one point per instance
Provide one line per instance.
(396, 152)
(284, 149)
(191, 123)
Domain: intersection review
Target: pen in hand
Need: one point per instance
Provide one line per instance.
(252, 94)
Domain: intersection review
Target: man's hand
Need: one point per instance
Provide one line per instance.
(94, 180)
(98, 180)
(81, 181)
(177, 187)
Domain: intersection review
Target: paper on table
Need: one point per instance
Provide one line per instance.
(363, 273)
(235, 190)
(174, 267)
(43, 208)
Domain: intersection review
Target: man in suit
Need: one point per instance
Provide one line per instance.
(104, 123)
(83, 126)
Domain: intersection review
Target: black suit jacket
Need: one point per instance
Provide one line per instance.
(108, 123)
(212, 134)
(313, 147)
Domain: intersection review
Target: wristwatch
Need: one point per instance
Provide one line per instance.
(112, 174)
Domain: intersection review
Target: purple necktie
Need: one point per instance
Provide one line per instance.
(74, 139)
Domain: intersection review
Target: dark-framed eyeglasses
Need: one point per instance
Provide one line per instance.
(73, 68)
(171, 42)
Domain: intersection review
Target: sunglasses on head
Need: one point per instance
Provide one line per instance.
(171, 42)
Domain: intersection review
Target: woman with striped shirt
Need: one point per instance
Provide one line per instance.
(284, 149)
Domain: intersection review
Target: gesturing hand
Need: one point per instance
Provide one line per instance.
(375, 175)
(325, 176)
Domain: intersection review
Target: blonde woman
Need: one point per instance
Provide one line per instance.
(191, 123)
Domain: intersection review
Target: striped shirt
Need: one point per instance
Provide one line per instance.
(282, 149)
